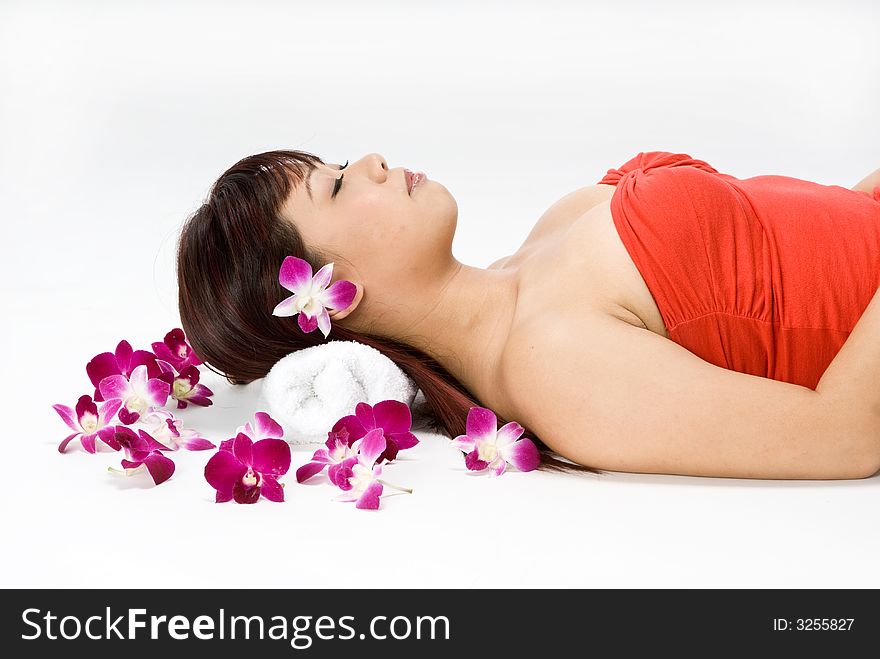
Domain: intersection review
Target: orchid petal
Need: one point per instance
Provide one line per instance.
(88, 442)
(295, 274)
(101, 366)
(497, 466)
(123, 357)
(393, 416)
(272, 489)
(307, 324)
(472, 461)
(522, 454)
(64, 442)
(243, 447)
(223, 471)
(196, 444)
(68, 415)
(364, 414)
(369, 499)
(404, 440)
(322, 277)
(481, 422)
(463, 443)
(85, 406)
(127, 417)
(243, 494)
(107, 435)
(372, 445)
(138, 378)
(322, 455)
(508, 434)
(339, 295)
(323, 320)
(114, 386)
(285, 308)
(156, 390)
(108, 410)
(271, 456)
(226, 445)
(353, 426)
(160, 467)
(308, 470)
(265, 426)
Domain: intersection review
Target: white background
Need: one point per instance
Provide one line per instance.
(115, 118)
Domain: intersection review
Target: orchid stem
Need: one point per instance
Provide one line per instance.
(408, 490)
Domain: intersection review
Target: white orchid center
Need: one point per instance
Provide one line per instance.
(487, 451)
(250, 478)
(362, 476)
(136, 404)
(89, 422)
(181, 388)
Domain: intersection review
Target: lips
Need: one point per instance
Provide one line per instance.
(413, 179)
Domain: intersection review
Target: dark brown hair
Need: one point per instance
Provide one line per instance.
(228, 257)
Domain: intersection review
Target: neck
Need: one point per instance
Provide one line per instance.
(461, 319)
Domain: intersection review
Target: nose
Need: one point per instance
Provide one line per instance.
(376, 166)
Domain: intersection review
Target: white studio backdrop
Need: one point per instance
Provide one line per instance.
(116, 117)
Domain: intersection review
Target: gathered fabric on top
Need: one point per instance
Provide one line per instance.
(765, 275)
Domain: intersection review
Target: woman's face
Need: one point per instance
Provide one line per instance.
(390, 237)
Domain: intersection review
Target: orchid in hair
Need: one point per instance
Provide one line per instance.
(488, 447)
(311, 295)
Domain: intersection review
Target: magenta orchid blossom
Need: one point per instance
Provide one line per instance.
(169, 432)
(140, 394)
(184, 387)
(122, 362)
(337, 449)
(488, 447)
(142, 452)
(176, 351)
(249, 469)
(311, 296)
(88, 421)
(358, 476)
(392, 416)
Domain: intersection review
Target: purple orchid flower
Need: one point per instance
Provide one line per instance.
(358, 476)
(311, 297)
(249, 470)
(184, 386)
(337, 450)
(168, 431)
(140, 394)
(176, 351)
(392, 416)
(88, 421)
(488, 447)
(122, 362)
(142, 452)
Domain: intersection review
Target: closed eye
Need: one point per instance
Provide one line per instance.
(338, 183)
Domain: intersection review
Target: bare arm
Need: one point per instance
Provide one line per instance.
(630, 400)
(852, 378)
(867, 184)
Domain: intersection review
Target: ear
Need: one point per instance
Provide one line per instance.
(339, 314)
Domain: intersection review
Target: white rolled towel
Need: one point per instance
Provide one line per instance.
(311, 389)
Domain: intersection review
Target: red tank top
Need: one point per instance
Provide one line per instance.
(765, 275)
